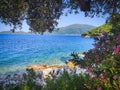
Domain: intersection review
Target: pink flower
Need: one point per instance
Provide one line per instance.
(95, 50)
(104, 81)
(99, 37)
(104, 33)
(104, 51)
(99, 88)
(115, 77)
(95, 75)
(102, 76)
(116, 49)
(97, 58)
(89, 70)
(118, 39)
(107, 41)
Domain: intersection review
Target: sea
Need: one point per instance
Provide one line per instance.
(17, 51)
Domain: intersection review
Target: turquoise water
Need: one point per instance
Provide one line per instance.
(18, 51)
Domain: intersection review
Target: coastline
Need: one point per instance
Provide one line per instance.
(42, 71)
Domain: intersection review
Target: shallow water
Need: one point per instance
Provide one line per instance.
(19, 50)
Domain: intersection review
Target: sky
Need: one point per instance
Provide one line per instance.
(65, 21)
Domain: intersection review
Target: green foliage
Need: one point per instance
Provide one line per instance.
(99, 30)
(69, 82)
(103, 61)
(75, 55)
(12, 12)
(43, 15)
(77, 60)
(115, 21)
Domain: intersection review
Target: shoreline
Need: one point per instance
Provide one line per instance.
(40, 67)
(42, 71)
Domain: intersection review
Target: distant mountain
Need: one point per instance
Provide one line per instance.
(98, 30)
(76, 29)
(10, 32)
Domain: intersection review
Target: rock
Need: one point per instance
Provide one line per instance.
(79, 70)
(53, 72)
(59, 72)
(68, 70)
(41, 67)
(70, 64)
(46, 72)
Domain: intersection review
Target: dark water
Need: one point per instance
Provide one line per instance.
(18, 51)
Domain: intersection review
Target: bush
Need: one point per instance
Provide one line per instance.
(69, 82)
(103, 61)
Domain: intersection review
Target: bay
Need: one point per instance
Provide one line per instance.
(17, 51)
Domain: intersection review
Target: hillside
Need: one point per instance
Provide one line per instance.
(76, 29)
(98, 30)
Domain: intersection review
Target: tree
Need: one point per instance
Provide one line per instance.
(42, 15)
(12, 12)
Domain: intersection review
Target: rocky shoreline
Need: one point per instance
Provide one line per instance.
(42, 71)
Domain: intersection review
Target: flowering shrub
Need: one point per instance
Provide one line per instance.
(103, 62)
